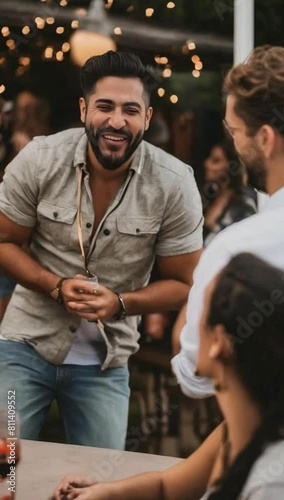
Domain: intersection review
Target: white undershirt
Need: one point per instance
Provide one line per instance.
(89, 347)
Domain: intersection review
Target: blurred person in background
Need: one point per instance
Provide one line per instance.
(20, 121)
(226, 198)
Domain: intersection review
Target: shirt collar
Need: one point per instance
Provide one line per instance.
(80, 156)
(276, 200)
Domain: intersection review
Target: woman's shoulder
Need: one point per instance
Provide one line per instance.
(267, 474)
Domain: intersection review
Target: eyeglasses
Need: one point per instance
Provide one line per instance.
(230, 130)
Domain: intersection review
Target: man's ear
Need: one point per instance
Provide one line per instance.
(149, 113)
(83, 108)
(266, 140)
(221, 347)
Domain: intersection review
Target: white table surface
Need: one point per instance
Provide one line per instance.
(43, 464)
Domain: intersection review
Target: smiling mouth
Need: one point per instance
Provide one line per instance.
(114, 138)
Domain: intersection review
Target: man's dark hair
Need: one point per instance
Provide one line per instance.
(121, 64)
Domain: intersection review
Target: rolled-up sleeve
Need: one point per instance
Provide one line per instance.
(181, 231)
(19, 191)
(213, 259)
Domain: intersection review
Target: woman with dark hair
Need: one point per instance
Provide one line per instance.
(226, 199)
(242, 350)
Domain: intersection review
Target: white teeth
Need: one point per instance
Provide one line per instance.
(112, 138)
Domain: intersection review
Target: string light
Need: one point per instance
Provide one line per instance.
(20, 71)
(184, 49)
(50, 20)
(11, 44)
(161, 60)
(161, 92)
(59, 55)
(171, 5)
(117, 31)
(40, 22)
(24, 61)
(75, 24)
(63, 3)
(195, 59)
(149, 12)
(196, 73)
(5, 31)
(60, 30)
(65, 47)
(48, 53)
(174, 99)
(167, 72)
(130, 8)
(2, 60)
(2, 89)
(198, 65)
(191, 45)
(26, 30)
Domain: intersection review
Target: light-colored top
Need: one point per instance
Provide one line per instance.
(266, 478)
(157, 211)
(261, 234)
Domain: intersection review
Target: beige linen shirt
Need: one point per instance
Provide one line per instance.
(157, 211)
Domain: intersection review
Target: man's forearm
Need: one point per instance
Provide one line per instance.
(163, 295)
(17, 264)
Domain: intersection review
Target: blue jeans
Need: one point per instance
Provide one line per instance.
(93, 403)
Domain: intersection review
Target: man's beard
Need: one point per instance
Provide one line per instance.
(111, 161)
(256, 173)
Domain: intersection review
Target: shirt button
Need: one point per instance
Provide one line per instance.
(55, 214)
(72, 329)
(88, 225)
(106, 232)
(138, 230)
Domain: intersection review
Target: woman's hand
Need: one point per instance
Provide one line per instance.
(99, 491)
(70, 482)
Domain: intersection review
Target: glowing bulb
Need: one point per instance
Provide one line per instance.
(196, 73)
(65, 47)
(40, 23)
(149, 12)
(5, 31)
(48, 53)
(20, 71)
(59, 55)
(167, 73)
(161, 92)
(174, 99)
(26, 30)
(24, 61)
(117, 31)
(63, 3)
(195, 59)
(198, 65)
(171, 5)
(2, 89)
(50, 20)
(60, 30)
(11, 44)
(75, 24)
(191, 45)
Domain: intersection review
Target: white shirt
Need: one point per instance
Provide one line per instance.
(261, 234)
(266, 478)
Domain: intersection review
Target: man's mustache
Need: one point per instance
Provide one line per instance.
(111, 130)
